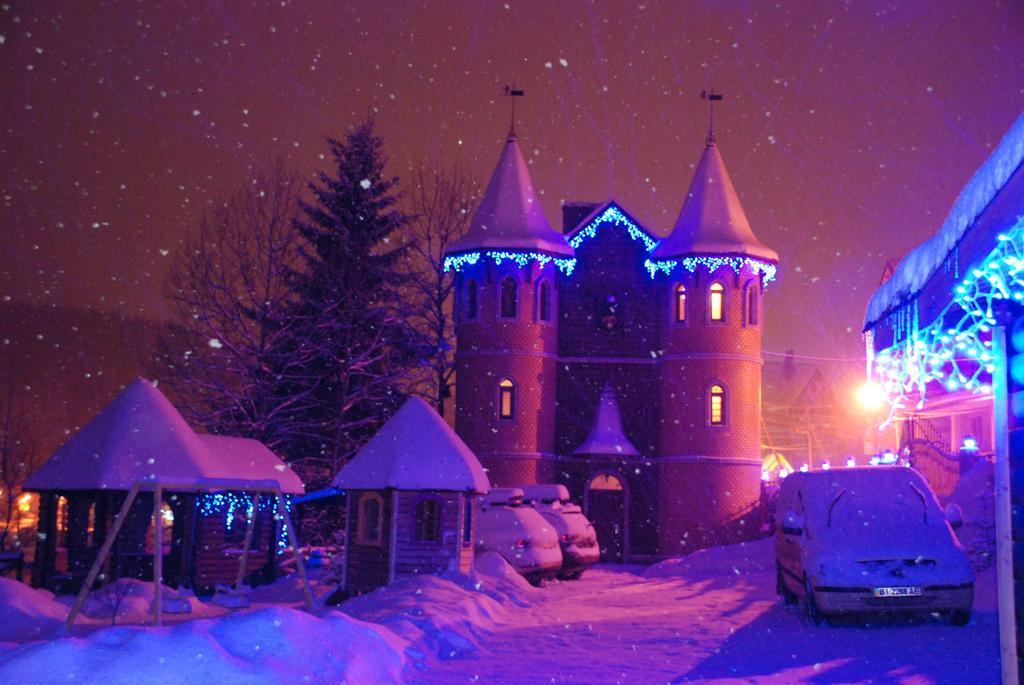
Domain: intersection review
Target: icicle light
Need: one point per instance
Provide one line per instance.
(954, 350)
(457, 262)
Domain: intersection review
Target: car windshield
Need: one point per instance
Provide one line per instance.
(891, 506)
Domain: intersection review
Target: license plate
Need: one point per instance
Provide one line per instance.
(897, 592)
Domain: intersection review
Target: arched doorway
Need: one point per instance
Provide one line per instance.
(606, 501)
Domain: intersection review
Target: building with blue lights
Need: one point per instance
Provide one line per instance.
(945, 340)
(618, 360)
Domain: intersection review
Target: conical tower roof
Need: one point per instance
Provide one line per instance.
(510, 216)
(606, 435)
(138, 436)
(712, 220)
(414, 450)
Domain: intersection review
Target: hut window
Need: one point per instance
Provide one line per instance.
(471, 303)
(681, 302)
(716, 302)
(428, 521)
(509, 298)
(751, 304)
(371, 519)
(544, 302)
(506, 399)
(716, 405)
(467, 524)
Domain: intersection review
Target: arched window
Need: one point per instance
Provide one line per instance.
(680, 302)
(544, 302)
(716, 302)
(467, 523)
(506, 399)
(371, 519)
(716, 405)
(471, 303)
(606, 481)
(428, 521)
(750, 303)
(509, 298)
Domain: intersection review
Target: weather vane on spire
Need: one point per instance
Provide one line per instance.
(712, 97)
(512, 92)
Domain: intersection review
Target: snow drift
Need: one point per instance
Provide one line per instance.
(269, 646)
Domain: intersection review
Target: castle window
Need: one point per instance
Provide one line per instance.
(428, 521)
(371, 519)
(680, 302)
(544, 302)
(750, 301)
(716, 302)
(716, 405)
(506, 399)
(471, 300)
(509, 298)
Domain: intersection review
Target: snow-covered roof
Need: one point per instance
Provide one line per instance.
(712, 220)
(414, 450)
(607, 436)
(141, 436)
(248, 459)
(923, 261)
(510, 216)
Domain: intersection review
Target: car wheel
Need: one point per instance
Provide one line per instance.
(788, 598)
(960, 617)
(813, 612)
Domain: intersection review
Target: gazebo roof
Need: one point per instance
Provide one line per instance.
(140, 436)
(414, 450)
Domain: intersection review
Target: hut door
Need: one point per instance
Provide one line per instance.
(606, 509)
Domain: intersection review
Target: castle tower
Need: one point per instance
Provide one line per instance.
(506, 327)
(713, 272)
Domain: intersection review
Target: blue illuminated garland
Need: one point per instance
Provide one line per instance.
(613, 215)
(227, 503)
(955, 349)
(712, 264)
(456, 262)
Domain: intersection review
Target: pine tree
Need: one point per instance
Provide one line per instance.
(353, 326)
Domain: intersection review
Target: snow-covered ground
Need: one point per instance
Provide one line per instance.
(710, 618)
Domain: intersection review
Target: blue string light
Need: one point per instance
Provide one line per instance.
(227, 503)
(954, 350)
(614, 216)
(456, 262)
(712, 264)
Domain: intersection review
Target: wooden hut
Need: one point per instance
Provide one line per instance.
(140, 444)
(411, 501)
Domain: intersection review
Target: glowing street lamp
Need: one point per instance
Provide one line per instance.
(870, 396)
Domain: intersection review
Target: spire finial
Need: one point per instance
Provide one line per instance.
(712, 97)
(512, 92)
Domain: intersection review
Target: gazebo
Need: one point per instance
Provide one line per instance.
(139, 458)
(411, 504)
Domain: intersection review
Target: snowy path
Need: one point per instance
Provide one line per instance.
(717, 626)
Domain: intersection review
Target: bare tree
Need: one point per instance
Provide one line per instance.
(19, 455)
(442, 205)
(230, 291)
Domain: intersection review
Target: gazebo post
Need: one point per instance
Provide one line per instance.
(102, 556)
(294, 540)
(250, 525)
(158, 554)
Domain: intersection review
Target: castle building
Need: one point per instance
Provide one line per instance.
(621, 363)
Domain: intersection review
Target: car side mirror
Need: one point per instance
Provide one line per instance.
(792, 523)
(954, 516)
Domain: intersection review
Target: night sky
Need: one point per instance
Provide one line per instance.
(849, 129)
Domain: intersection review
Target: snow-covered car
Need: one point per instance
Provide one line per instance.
(867, 540)
(576, 534)
(517, 532)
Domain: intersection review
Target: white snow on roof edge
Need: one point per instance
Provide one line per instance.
(923, 261)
